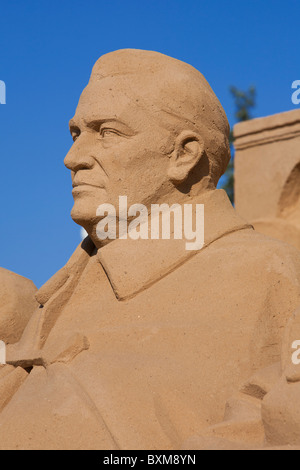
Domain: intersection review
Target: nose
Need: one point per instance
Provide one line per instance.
(78, 159)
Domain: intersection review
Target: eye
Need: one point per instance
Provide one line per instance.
(106, 132)
(75, 133)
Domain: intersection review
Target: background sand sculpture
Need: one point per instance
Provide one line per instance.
(17, 302)
(267, 175)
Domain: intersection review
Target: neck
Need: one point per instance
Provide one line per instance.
(142, 216)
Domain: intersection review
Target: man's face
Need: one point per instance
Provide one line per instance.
(118, 150)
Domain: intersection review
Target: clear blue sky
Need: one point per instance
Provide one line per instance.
(47, 50)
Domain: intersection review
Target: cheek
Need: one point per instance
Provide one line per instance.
(133, 170)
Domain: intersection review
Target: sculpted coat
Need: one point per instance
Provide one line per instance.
(127, 353)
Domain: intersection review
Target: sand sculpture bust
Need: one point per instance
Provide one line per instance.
(140, 343)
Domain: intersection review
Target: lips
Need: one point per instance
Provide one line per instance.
(76, 184)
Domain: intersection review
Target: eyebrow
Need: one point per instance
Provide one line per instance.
(93, 123)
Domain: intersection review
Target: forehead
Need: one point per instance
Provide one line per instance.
(111, 98)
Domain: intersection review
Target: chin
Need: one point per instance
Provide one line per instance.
(83, 216)
(85, 207)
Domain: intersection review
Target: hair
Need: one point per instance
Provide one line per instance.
(178, 95)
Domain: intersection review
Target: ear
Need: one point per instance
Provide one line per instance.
(189, 148)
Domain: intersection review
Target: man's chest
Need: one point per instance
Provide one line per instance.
(162, 339)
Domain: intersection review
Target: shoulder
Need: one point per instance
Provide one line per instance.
(253, 257)
(249, 244)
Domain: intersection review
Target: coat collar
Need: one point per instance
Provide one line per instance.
(134, 265)
(130, 265)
